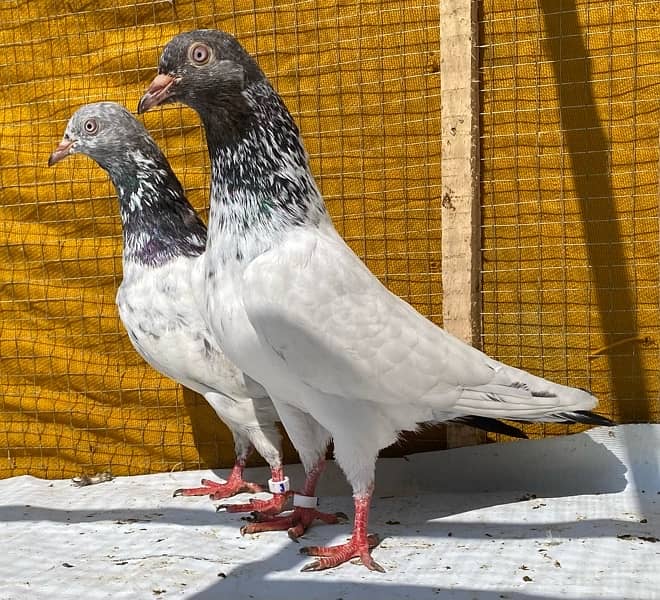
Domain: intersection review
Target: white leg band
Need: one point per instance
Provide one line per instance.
(278, 487)
(305, 501)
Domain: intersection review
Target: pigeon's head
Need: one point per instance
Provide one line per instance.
(102, 131)
(201, 68)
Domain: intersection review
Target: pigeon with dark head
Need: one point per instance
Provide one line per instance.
(294, 307)
(161, 291)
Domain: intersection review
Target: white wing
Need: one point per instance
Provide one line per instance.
(340, 331)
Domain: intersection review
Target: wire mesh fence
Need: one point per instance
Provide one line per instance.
(361, 80)
(569, 170)
(570, 195)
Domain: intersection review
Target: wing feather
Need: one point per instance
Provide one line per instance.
(341, 332)
(346, 335)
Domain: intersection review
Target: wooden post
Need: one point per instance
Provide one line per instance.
(461, 209)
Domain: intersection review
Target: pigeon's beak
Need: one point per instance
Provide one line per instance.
(62, 151)
(157, 93)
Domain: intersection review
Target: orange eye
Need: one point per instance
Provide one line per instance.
(199, 53)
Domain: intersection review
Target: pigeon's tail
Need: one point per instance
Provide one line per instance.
(585, 416)
(516, 395)
(490, 425)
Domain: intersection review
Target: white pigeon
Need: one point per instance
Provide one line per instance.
(159, 297)
(294, 307)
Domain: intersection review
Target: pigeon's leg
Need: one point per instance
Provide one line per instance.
(311, 440)
(234, 485)
(266, 440)
(303, 515)
(358, 546)
(278, 485)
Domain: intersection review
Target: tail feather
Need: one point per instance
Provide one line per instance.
(587, 417)
(490, 425)
(578, 416)
(516, 395)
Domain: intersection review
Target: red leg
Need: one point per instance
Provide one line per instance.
(297, 522)
(358, 546)
(312, 478)
(273, 505)
(234, 485)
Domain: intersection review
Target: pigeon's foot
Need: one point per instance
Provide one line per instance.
(217, 490)
(272, 506)
(332, 556)
(358, 546)
(234, 485)
(295, 523)
(278, 485)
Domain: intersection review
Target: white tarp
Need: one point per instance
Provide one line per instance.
(570, 517)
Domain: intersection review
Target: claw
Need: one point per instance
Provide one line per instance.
(333, 556)
(313, 566)
(295, 523)
(234, 485)
(374, 566)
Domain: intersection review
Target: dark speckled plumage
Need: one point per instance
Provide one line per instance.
(260, 172)
(158, 221)
(341, 356)
(162, 287)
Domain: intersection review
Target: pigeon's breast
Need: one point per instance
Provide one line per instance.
(164, 320)
(232, 329)
(225, 313)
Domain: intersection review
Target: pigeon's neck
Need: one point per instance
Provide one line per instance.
(158, 222)
(261, 184)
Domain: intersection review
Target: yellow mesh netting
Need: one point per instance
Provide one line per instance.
(570, 205)
(569, 192)
(361, 80)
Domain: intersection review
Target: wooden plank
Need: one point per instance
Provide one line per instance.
(461, 210)
(461, 214)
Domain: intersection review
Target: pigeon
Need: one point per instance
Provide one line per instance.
(164, 240)
(163, 245)
(341, 356)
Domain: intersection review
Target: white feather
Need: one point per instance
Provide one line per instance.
(160, 310)
(326, 338)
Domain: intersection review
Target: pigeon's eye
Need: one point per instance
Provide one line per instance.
(91, 126)
(199, 53)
